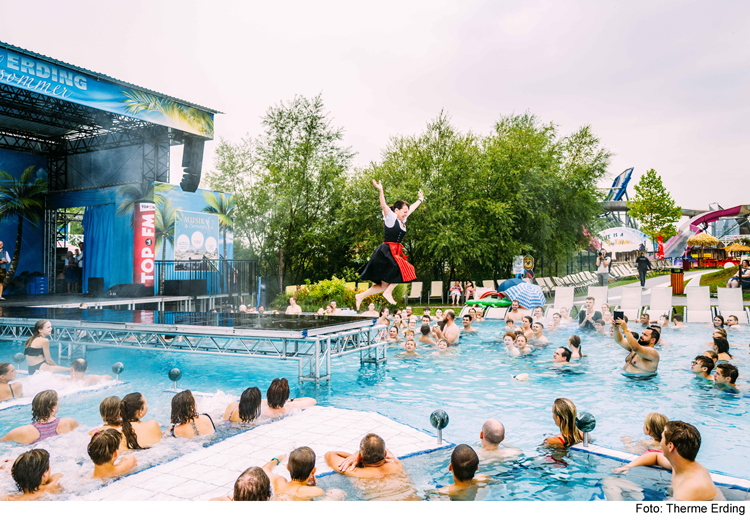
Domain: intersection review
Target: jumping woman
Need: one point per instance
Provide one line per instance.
(388, 266)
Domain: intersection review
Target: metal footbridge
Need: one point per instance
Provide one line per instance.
(311, 340)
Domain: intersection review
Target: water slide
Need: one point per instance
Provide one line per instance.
(676, 246)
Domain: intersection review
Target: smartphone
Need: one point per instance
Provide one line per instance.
(618, 315)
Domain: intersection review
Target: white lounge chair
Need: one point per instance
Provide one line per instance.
(564, 297)
(631, 302)
(600, 294)
(481, 290)
(489, 284)
(436, 290)
(416, 290)
(661, 303)
(698, 308)
(730, 303)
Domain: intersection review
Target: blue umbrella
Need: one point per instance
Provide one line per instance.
(505, 285)
(526, 294)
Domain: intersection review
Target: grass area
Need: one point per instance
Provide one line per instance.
(720, 278)
(631, 280)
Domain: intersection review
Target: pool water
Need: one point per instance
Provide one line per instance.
(472, 384)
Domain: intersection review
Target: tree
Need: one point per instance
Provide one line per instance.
(653, 207)
(21, 199)
(164, 223)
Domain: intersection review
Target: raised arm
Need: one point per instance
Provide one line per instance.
(619, 339)
(645, 352)
(417, 203)
(383, 203)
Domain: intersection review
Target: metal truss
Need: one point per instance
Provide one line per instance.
(50, 244)
(313, 354)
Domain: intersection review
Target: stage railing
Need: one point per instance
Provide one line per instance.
(233, 277)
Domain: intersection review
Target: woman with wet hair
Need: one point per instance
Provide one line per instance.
(278, 402)
(574, 344)
(388, 265)
(31, 472)
(109, 409)
(186, 422)
(564, 413)
(8, 388)
(719, 321)
(138, 435)
(45, 424)
(247, 409)
(37, 350)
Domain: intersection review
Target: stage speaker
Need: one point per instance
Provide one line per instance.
(96, 286)
(136, 290)
(185, 287)
(192, 160)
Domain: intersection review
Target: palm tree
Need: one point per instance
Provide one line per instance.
(146, 191)
(20, 199)
(223, 207)
(164, 225)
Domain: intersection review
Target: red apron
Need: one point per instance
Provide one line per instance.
(407, 270)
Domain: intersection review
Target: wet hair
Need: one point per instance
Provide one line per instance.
(249, 408)
(575, 341)
(720, 332)
(43, 404)
(540, 324)
(4, 368)
(382, 310)
(129, 406)
(184, 408)
(399, 204)
(713, 355)
(37, 332)
(565, 410)
(510, 335)
(685, 437)
(411, 340)
(449, 314)
(29, 468)
(425, 330)
(252, 485)
(566, 353)
(721, 318)
(301, 463)
(722, 346)
(278, 393)
(705, 361)
(79, 365)
(443, 340)
(464, 462)
(600, 322)
(728, 371)
(677, 317)
(655, 422)
(493, 431)
(645, 315)
(507, 321)
(103, 446)
(529, 319)
(109, 409)
(635, 335)
(372, 448)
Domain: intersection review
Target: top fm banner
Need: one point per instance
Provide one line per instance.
(196, 236)
(42, 77)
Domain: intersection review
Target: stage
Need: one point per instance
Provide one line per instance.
(311, 340)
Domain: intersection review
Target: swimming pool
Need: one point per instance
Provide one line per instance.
(472, 385)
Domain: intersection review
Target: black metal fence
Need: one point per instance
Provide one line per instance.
(213, 277)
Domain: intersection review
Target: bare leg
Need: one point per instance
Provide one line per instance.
(374, 289)
(387, 293)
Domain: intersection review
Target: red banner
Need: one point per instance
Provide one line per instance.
(144, 243)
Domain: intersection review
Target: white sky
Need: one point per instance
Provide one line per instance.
(663, 84)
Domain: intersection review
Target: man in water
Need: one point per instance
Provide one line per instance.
(335, 311)
(293, 308)
(562, 355)
(451, 333)
(513, 313)
(466, 482)
(252, 485)
(373, 462)
(732, 321)
(78, 374)
(538, 340)
(370, 310)
(643, 358)
(492, 434)
(702, 367)
(726, 375)
(425, 335)
(31, 472)
(408, 313)
(466, 320)
(677, 320)
(586, 318)
(645, 319)
(303, 485)
(104, 449)
(680, 443)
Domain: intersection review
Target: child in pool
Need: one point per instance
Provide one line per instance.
(653, 426)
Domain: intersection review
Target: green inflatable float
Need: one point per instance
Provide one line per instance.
(505, 302)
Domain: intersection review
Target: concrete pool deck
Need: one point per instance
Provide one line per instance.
(211, 472)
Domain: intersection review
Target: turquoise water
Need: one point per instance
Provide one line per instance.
(472, 385)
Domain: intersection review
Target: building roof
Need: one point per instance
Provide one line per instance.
(101, 76)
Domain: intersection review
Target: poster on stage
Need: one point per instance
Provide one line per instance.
(144, 243)
(625, 240)
(196, 236)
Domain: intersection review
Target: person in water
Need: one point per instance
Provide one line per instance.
(33, 477)
(279, 403)
(388, 265)
(78, 374)
(564, 413)
(247, 409)
(301, 466)
(653, 426)
(643, 358)
(138, 435)
(492, 436)
(45, 424)
(726, 375)
(466, 482)
(680, 443)
(37, 350)
(104, 449)
(252, 485)
(8, 388)
(186, 420)
(702, 366)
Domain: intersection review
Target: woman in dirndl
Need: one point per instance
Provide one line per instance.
(388, 265)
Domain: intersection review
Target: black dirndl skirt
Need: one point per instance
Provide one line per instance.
(382, 266)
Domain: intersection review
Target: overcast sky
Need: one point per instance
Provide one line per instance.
(663, 84)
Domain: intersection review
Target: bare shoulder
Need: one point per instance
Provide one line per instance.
(68, 424)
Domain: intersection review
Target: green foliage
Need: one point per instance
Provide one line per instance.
(165, 221)
(653, 207)
(718, 278)
(311, 297)
(223, 206)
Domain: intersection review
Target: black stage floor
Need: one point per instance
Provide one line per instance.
(77, 299)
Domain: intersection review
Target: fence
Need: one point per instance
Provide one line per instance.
(233, 277)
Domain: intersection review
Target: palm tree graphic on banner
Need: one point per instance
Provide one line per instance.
(223, 207)
(165, 222)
